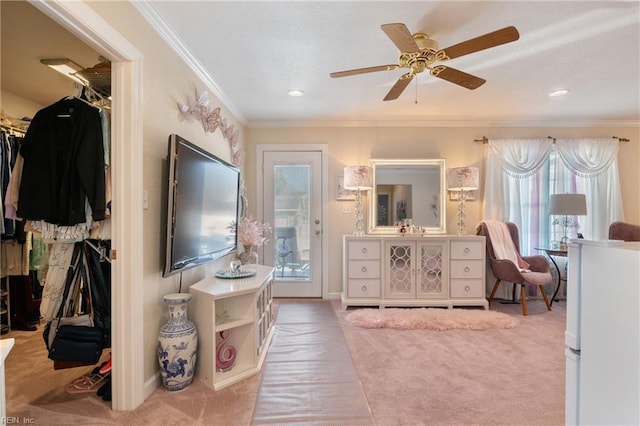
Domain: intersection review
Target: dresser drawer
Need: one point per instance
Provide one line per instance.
(466, 268)
(364, 288)
(467, 249)
(364, 269)
(467, 288)
(364, 249)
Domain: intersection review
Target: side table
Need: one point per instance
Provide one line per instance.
(551, 253)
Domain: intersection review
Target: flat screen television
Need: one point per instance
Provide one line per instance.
(203, 200)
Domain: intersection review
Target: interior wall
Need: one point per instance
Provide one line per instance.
(352, 145)
(167, 82)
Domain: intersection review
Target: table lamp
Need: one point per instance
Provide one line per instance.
(567, 205)
(358, 178)
(461, 180)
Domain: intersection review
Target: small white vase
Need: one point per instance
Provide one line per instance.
(177, 344)
(249, 255)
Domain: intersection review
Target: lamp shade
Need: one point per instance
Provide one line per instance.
(568, 204)
(463, 178)
(358, 177)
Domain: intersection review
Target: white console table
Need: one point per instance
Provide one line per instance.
(394, 270)
(242, 310)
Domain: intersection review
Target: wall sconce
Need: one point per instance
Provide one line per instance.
(461, 180)
(567, 205)
(358, 178)
(66, 67)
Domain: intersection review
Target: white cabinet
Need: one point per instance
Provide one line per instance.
(362, 269)
(467, 270)
(414, 269)
(435, 271)
(237, 314)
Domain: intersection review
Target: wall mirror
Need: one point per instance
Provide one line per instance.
(407, 189)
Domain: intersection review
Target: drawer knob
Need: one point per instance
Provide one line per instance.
(467, 288)
(467, 250)
(467, 269)
(364, 269)
(364, 250)
(364, 288)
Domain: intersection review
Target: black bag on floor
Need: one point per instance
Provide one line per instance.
(78, 343)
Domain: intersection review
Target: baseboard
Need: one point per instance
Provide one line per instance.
(334, 296)
(152, 384)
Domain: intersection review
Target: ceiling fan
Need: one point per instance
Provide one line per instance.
(418, 52)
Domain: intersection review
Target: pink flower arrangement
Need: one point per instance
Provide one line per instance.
(253, 233)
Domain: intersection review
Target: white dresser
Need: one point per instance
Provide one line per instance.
(446, 271)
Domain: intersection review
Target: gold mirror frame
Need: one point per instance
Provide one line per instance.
(433, 203)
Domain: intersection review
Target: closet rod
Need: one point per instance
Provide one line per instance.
(13, 129)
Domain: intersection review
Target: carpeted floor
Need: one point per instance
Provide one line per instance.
(409, 377)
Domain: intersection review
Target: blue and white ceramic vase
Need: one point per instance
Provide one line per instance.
(177, 344)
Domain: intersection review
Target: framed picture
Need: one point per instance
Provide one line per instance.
(468, 195)
(344, 194)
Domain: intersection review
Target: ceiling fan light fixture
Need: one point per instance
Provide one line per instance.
(295, 92)
(66, 67)
(560, 92)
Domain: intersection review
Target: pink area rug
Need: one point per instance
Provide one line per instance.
(431, 319)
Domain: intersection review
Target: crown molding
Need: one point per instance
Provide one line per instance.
(442, 123)
(154, 19)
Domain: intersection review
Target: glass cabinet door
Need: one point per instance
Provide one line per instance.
(400, 270)
(431, 274)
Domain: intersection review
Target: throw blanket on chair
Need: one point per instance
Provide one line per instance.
(503, 246)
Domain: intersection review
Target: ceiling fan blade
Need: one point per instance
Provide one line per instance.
(460, 78)
(493, 39)
(363, 70)
(401, 37)
(399, 87)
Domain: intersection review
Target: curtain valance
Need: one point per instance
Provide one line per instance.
(587, 157)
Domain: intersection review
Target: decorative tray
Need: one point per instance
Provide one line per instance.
(239, 273)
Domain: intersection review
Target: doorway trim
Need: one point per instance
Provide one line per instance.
(324, 149)
(126, 150)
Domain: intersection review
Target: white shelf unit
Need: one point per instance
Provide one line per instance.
(436, 271)
(243, 309)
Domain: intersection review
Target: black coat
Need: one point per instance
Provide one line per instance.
(63, 164)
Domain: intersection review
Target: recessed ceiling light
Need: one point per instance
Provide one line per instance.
(295, 92)
(560, 92)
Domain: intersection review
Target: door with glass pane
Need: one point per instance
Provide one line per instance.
(292, 204)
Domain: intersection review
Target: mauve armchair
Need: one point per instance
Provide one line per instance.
(624, 231)
(506, 270)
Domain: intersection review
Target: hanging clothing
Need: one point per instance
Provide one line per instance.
(63, 154)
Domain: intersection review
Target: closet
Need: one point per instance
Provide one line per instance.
(21, 292)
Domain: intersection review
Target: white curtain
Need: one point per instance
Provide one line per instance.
(590, 167)
(520, 175)
(516, 187)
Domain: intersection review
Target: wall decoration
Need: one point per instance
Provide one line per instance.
(199, 110)
(401, 210)
(383, 210)
(344, 194)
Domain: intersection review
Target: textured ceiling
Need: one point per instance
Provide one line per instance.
(252, 53)
(256, 51)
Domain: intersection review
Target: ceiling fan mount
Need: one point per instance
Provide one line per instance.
(419, 52)
(427, 54)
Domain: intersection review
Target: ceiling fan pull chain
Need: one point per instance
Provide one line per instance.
(416, 102)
